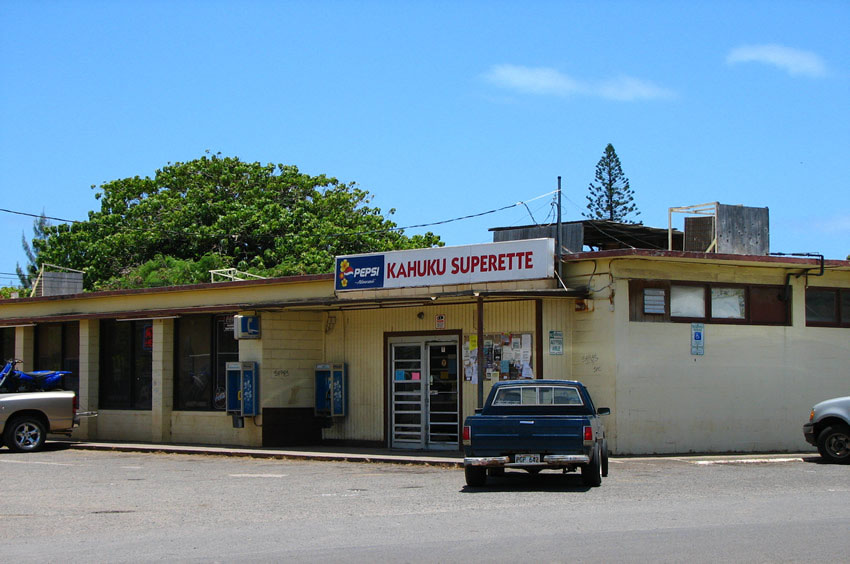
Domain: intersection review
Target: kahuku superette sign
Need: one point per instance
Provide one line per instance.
(490, 262)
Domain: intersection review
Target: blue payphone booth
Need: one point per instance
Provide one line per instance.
(331, 390)
(243, 394)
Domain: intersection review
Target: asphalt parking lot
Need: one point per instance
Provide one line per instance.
(82, 505)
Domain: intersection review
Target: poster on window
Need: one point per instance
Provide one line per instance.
(507, 356)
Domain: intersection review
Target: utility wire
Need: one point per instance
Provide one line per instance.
(442, 222)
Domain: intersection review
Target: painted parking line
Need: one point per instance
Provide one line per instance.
(257, 475)
(745, 461)
(36, 462)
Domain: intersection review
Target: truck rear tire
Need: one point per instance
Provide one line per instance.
(24, 434)
(591, 474)
(476, 476)
(604, 458)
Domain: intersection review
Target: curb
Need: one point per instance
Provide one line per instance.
(272, 454)
(424, 460)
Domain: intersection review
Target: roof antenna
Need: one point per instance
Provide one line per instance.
(558, 233)
(529, 213)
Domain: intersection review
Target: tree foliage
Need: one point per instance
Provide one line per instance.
(610, 197)
(29, 273)
(220, 212)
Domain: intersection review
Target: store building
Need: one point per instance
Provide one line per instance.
(693, 350)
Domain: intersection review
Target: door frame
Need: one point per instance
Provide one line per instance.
(423, 336)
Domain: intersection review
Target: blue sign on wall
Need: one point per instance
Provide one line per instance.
(359, 273)
(246, 326)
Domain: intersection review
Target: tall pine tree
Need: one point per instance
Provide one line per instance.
(29, 273)
(610, 196)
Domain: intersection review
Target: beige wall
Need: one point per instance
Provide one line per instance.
(290, 346)
(357, 339)
(89, 370)
(123, 425)
(750, 391)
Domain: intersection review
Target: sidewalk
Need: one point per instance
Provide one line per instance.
(451, 459)
(448, 459)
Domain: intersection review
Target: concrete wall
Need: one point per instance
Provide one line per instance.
(750, 391)
(123, 425)
(89, 370)
(290, 346)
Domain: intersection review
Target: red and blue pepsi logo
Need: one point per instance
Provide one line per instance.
(358, 273)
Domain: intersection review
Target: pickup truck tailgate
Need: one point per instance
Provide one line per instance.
(505, 434)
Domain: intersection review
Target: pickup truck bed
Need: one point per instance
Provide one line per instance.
(536, 425)
(27, 417)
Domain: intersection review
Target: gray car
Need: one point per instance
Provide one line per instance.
(829, 429)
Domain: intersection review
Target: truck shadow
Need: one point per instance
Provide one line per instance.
(520, 481)
(817, 459)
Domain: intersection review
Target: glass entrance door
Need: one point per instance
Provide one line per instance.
(442, 404)
(424, 395)
(406, 375)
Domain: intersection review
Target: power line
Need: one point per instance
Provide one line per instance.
(431, 224)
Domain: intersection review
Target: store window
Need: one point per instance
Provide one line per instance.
(728, 303)
(205, 344)
(828, 307)
(57, 347)
(126, 363)
(687, 301)
(7, 343)
(660, 301)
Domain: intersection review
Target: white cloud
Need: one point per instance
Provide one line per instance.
(532, 80)
(840, 224)
(628, 88)
(793, 61)
(547, 81)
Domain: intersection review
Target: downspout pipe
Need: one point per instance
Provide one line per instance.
(805, 271)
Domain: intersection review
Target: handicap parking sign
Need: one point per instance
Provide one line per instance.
(697, 340)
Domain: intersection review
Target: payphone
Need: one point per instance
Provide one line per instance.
(243, 394)
(331, 390)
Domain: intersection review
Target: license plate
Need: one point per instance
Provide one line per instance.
(527, 458)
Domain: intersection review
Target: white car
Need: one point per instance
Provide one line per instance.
(829, 429)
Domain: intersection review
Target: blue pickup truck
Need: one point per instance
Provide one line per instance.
(535, 425)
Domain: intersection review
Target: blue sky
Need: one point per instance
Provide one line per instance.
(439, 109)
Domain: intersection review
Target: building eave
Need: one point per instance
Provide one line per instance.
(716, 258)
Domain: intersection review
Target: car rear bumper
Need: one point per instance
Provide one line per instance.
(553, 460)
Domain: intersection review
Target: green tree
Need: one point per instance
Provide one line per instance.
(29, 273)
(220, 212)
(610, 197)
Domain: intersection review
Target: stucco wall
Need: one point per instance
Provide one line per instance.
(751, 390)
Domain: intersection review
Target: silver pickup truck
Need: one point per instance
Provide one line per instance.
(828, 429)
(27, 417)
